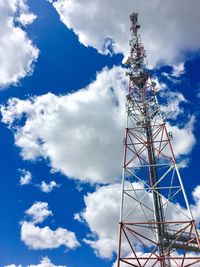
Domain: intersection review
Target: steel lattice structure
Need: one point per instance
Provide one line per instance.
(154, 229)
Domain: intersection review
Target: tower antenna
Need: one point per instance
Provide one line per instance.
(153, 230)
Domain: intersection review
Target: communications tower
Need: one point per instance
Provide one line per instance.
(154, 230)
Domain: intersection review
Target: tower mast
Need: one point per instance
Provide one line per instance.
(154, 230)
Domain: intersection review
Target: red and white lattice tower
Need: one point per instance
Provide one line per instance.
(154, 229)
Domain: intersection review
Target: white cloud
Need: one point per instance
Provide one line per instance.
(173, 100)
(173, 29)
(77, 217)
(15, 66)
(26, 19)
(183, 138)
(45, 262)
(81, 133)
(25, 177)
(47, 188)
(178, 70)
(183, 163)
(38, 212)
(101, 214)
(45, 238)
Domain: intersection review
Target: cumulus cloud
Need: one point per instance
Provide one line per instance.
(48, 187)
(171, 101)
(182, 133)
(101, 214)
(45, 262)
(25, 176)
(172, 108)
(38, 212)
(174, 25)
(14, 66)
(26, 19)
(178, 70)
(81, 133)
(36, 237)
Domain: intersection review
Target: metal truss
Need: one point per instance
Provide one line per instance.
(154, 229)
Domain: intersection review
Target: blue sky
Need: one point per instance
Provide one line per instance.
(65, 118)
